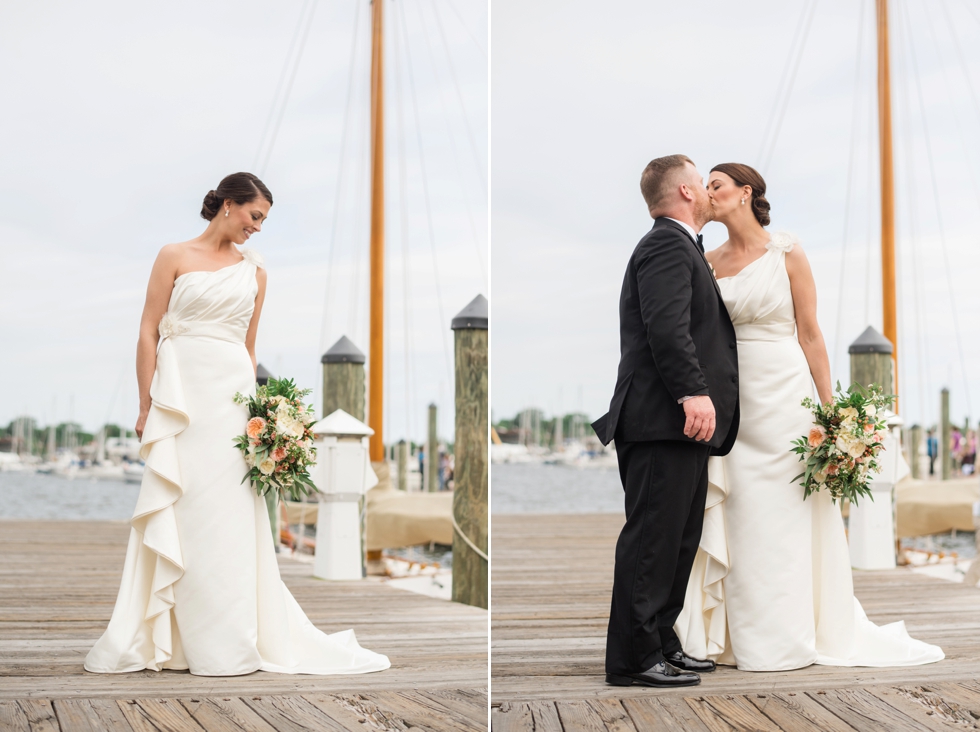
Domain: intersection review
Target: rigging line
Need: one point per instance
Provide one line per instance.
(452, 144)
(962, 59)
(425, 191)
(850, 172)
(289, 89)
(970, 11)
(871, 176)
(361, 208)
(282, 78)
(410, 390)
(939, 217)
(341, 169)
(910, 179)
(465, 28)
(789, 90)
(949, 90)
(459, 93)
(782, 79)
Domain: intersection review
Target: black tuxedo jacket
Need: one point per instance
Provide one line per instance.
(676, 340)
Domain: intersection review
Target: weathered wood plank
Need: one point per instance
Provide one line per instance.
(613, 715)
(865, 712)
(12, 717)
(663, 714)
(90, 715)
(926, 707)
(419, 711)
(797, 711)
(521, 717)
(225, 714)
(40, 715)
(579, 716)
(292, 714)
(729, 712)
(355, 715)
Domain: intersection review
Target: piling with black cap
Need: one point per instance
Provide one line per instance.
(343, 379)
(470, 501)
(871, 360)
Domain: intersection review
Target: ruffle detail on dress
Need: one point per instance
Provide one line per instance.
(253, 257)
(154, 517)
(782, 241)
(702, 626)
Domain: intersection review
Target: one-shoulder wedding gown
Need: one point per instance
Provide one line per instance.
(771, 588)
(201, 588)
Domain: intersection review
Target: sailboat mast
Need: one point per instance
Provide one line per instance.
(376, 355)
(888, 308)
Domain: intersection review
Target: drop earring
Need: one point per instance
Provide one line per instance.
(743, 203)
(226, 210)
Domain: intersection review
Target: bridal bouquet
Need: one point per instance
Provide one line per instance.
(843, 445)
(278, 442)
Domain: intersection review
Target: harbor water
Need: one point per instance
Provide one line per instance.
(541, 488)
(38, 496)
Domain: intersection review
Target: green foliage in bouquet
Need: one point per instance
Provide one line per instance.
(842, 448)
(278, 442)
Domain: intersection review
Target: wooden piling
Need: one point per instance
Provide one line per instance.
(402, 465)
(915, 442)
(470, 502)
(871, 360)
(343, 379)
(945, 457)
(432, 452)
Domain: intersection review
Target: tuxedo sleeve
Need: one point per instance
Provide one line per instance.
(663, 276)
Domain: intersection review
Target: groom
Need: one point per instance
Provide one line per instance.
(676, 402)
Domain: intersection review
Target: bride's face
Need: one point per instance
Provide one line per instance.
(725, 196)
(244, 220)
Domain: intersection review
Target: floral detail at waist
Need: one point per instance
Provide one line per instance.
(170, 326)
(782, 241)
(253, 257)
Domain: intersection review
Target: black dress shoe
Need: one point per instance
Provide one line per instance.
(661, 675)
(684, 661)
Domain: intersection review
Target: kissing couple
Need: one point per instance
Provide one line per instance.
(721, 560)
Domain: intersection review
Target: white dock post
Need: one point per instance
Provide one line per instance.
(343, 475)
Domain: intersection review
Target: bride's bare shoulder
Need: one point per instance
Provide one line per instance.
(712, 254)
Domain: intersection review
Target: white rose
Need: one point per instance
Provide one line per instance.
(267, 466)
(870, 410)
(841, 443)
(856, 449)
(250, 459)
(849, 413)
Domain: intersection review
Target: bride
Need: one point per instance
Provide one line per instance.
(200, 588)
(771, 587)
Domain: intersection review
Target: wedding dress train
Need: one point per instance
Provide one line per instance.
(771, 588)
(201, 588)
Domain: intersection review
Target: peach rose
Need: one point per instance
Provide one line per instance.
(817, 435)
(254, 427)
(279, 453)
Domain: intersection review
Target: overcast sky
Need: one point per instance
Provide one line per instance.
(119, 117)
(584, 94)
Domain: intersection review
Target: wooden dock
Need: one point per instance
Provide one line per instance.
(552, 579)
(58, 584)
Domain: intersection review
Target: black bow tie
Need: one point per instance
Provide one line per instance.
(701, 243)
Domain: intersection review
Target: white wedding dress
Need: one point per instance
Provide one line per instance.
(201, 588)
(771, 586)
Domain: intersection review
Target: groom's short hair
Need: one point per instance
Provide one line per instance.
(659, 177)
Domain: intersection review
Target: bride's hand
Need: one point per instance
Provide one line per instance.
(141, 422)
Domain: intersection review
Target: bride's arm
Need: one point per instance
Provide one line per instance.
(253, 326)
(157, 300)
(807, 329)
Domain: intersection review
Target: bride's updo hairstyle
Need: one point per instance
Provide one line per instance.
(238, 187)
(745, 175)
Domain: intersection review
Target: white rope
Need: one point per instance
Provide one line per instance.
(469, 543)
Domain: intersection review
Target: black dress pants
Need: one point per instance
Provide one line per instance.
(666, 484)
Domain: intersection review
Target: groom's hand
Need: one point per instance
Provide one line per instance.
(700, 413)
